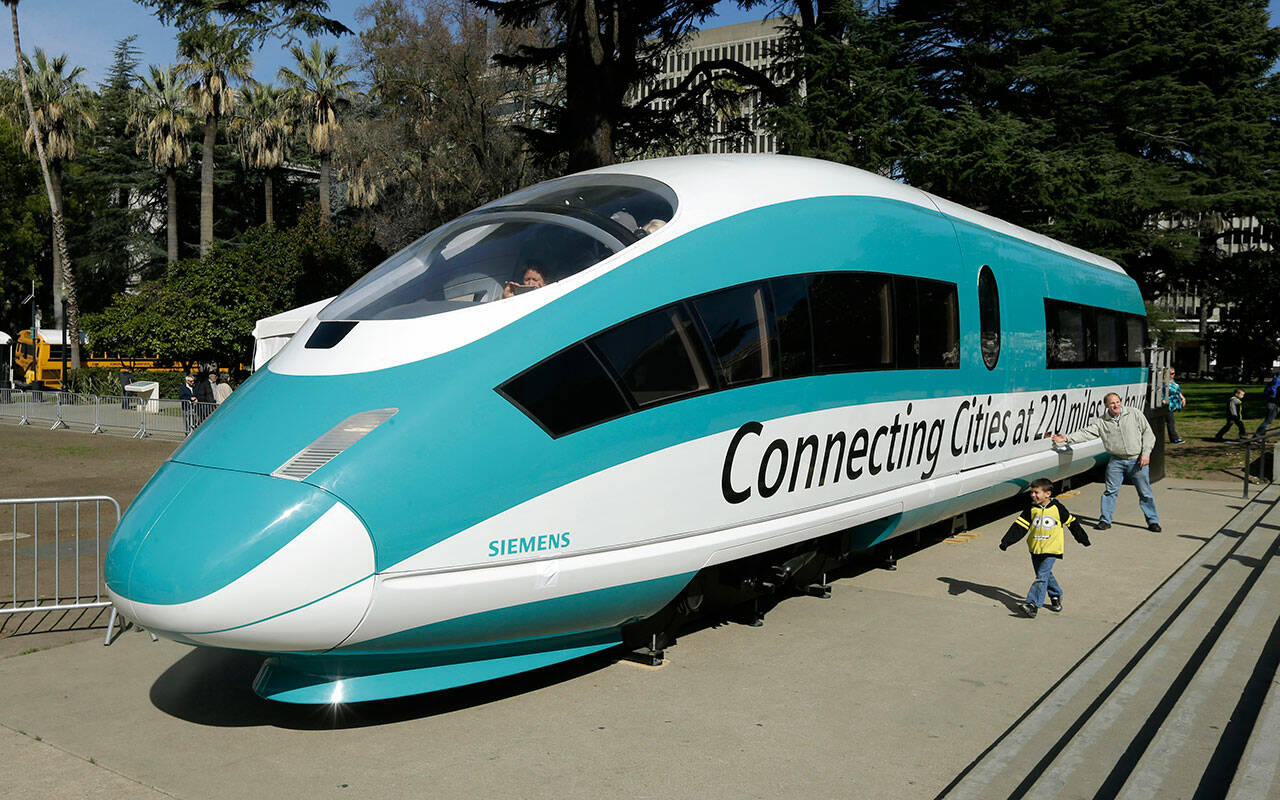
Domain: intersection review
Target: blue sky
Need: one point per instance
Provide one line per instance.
(87, 30)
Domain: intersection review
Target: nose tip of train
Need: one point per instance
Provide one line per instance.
(240, 560)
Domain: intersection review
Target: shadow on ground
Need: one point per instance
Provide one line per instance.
(213, 687)
(957, 587)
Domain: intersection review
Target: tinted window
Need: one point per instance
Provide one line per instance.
(1135, 339)
(906, 316)
(566, 392)
(655, 356)
(737, 323)
(791, 317)
(989, 316)
(1067, 344)
(852, 318)
(1110, 341)
(939, 327)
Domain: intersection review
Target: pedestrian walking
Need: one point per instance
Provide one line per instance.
(1174, 402)
(1043, 524)
(1269, 394)
(1234, 404)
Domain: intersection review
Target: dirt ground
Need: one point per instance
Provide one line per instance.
(39, 463)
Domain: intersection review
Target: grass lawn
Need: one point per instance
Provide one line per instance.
(1201, 457)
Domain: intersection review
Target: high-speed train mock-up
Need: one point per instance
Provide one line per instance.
(562, 415)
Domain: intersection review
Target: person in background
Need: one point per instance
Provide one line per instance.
(205, 401)
(187, 395)
(222, 389)
(126, 378)
(1233, 415)
(1175, 402)
(1271, 394)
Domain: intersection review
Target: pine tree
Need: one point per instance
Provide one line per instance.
(112, 190)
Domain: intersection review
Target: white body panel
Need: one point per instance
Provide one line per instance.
(677, 527)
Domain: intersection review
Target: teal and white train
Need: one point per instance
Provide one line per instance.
(735, 362)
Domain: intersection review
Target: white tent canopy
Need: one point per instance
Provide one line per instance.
(271, 334)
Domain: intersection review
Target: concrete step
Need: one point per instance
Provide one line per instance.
(1258, 772)
(1196, 745)
(1091, 731)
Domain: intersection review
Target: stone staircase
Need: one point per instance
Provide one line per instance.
(1181, 700)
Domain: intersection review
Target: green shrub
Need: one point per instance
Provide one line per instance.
(93, 380)
(169, 381)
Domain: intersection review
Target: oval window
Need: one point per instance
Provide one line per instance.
(989, 316)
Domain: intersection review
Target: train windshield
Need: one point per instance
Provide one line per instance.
(519, 244)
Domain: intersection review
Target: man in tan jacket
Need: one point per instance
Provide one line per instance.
(1128, 439)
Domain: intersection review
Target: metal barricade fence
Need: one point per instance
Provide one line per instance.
(13, 405)
(42, 409)
(129, 416)
(56, 546)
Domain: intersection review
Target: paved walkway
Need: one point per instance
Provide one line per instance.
(894, 687)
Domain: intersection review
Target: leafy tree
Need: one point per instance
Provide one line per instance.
(61, 107)
(161, 118)
(1116, 125)
(1249, 336)
(213, 58)
(59, 234)
(205, 309)
(319, 89)
(109, 192)
(258, 19)
(847, 93)
(435, 136)
(24, 232)
(261, 129)
(606, 50)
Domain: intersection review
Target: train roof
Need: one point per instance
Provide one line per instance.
(712, 187)
(702, 190)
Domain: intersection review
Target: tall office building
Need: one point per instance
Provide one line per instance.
(754, 44)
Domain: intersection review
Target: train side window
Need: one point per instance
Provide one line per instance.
(906, 318)
(1135, 338)
(656, 356)
(791, 319)
(1068, 345)
(566, 392)
(989, 316)
(738, 326)
(852, 321)
(939, 324)
(1108, 339)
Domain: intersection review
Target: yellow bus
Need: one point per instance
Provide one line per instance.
(41, 360)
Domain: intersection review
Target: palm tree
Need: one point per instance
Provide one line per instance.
(53, 126)
(319, 89)
(261, 129)
(162, 118)
(213, 58)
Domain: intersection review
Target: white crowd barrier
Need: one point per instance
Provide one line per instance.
(122, 416)
(56, 548)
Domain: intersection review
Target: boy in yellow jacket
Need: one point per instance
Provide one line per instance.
(1043, 524)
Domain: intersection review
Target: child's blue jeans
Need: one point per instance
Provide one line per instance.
(1043, 565)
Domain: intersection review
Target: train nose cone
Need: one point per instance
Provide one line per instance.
(240, 560)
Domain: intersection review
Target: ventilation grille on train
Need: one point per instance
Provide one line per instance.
(331, 444)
